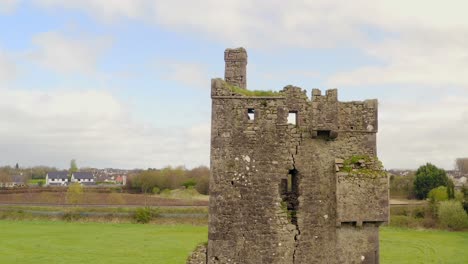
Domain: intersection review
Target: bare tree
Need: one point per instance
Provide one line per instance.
(461, 164)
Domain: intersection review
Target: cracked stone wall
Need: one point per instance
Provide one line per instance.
(292, 193)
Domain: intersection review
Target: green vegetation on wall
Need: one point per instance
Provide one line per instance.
(373, 167)
(246, 92)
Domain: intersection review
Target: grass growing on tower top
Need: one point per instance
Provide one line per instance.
(246, 92)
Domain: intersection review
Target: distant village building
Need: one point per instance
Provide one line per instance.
(57, 178)
(18, 181)
(105, 176)
(84, 178)
(121, 180)
(15, 181)
(459, 179)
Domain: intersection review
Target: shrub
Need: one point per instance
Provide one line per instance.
(189, 183)
(144, 215)
(429, 177)
(429, 222)
(71, 216)
(75, 193)
(399, 210)
(116, 189)
(419, 212)
(404, 221)
(452, 215)
(203, 185)
(402, 186)
(156, 190)
(400, 221)
(438, 194)
(15, 215)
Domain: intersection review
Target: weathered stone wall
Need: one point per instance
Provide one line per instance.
(358, 244)
(275, 194)
(235, 71)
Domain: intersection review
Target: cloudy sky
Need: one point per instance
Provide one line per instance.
(125, 83)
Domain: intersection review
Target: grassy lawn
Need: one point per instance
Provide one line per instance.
(61, 242)
(36, 181)
(425, 246)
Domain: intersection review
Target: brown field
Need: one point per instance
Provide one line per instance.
(97, 198)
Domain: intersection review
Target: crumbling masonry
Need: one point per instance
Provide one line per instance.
(293, 179)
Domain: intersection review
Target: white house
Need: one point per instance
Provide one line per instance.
(84, 178)
(57, 178)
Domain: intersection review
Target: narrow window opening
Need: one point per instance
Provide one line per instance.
(294, 182)
(284, 187)
(292, 117)
(290, 194)
(251, 114)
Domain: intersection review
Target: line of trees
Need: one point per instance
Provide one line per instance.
(36, 172)
(157, 180)
(461, 165)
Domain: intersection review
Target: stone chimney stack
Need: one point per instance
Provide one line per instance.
(236, 67)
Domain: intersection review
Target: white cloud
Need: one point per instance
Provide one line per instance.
(102, 9)
(423, 132)
(7, 67)
(419, 58)
(192, 75)
(93, 127)
(7, 6)
(243, 22)
(65, 54)
(418, 42)
(304, 23)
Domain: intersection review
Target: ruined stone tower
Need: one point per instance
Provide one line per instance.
(293, 179)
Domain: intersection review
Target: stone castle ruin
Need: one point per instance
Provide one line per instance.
(293, 179)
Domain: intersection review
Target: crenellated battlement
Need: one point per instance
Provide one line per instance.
(322, 113)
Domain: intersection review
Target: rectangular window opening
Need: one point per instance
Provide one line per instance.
(292, 117)
(323, 133)
(251, 113)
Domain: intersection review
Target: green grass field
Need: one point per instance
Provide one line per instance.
(423, 246)
(37, 181)
(61, 242)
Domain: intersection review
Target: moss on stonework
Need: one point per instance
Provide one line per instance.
(374, 168)
(246, 92)
(284, 208)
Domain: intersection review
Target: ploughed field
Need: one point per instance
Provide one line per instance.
(58, 196)
(74, 242)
